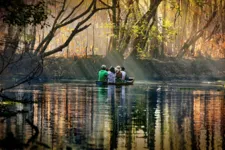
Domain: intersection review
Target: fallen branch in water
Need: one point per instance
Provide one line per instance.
(6, 143)
(24, 101)
(7, 113)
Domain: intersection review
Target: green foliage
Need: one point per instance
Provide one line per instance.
(169, 30)
(16, 12)
(135, 30)
(139, 29)
(200, 3)
(168, 33)
(174, 5)
(28, 37)
(154, 33)
(106, 25)
(142, 54)
(163, 32)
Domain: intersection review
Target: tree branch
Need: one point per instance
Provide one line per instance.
(36, 71)
(45, 42)
(79, 16)
(50, 35)
(195, 37)
(65, 44)
(76, 30)
(59, 14)
(72, 11)
(104, 3)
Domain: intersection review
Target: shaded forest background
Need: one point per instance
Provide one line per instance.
(153, 39)
(154, 70)
(45, 40)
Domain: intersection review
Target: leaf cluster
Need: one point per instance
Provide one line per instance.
(16, 12)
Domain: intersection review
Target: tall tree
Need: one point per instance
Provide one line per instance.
(16, 56)
(145, 23)
(211, 14)
(131, 25)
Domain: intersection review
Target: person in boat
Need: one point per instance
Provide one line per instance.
(118, 74)
(124, 74)
(102, 74)
(111, 75)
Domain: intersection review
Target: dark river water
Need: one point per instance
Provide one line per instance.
(142, 116)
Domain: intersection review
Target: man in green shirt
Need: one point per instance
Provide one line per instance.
(102, 74)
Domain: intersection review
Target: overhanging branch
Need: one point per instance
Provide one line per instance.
(71, 13)
(89, 12)
(65, 44)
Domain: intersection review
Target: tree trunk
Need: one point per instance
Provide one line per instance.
(149, 18)
(162, 47)
(193, 38)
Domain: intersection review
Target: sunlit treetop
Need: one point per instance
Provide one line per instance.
(18, 12)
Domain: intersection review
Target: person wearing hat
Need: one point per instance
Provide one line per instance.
(118, 74)
(102, 74)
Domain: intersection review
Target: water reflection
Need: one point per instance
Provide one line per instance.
(83, 116)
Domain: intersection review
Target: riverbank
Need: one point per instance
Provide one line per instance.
(169, 69)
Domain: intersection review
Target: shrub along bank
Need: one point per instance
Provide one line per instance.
(167, 69)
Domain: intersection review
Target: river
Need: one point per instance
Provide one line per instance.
(141, 116)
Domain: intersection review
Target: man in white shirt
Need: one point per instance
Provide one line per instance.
(123, 73)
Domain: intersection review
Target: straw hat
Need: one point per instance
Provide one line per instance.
(118, 68)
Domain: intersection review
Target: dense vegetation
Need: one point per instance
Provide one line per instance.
(70, 39)
(137, 34)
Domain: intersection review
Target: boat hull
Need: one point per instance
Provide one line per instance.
(129, 82)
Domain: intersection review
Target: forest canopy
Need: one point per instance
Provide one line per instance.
(21, 13)
(141, 29)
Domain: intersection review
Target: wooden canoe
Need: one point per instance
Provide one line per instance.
(128, 82)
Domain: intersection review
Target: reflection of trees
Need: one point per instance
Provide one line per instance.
(75, 110)
(132, 118)
(123, 107)
(151, 106)
(173, 114)
(208, 118)
(189, 119)
(114, 118)
(87, 118)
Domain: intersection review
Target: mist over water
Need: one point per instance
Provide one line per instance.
(142, 116)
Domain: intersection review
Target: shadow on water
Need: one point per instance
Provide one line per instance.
(84, 116)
